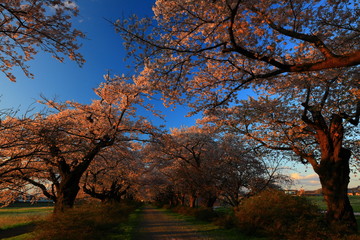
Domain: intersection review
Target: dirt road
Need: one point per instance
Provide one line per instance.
(156, 225)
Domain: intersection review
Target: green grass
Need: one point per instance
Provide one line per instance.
(11, 217)
(90, 221)
(210, 230)
(17, 216)
(20, 237)
(319, 201)
(127, 230)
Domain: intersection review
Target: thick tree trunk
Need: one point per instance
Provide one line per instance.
(66, 193)
(333, 169)
(211, 201)
(334, 178)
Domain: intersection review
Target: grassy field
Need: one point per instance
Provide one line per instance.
(319, 201)
(16, 216)
(22, 215)
(94, 219)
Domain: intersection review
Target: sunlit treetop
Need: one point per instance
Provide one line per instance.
(30, 26)
(212, 49)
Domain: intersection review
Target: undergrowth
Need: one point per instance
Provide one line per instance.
(90, 221)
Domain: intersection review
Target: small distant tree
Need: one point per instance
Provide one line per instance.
(246, 171)
(32, 25)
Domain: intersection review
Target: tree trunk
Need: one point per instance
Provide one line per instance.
(334, 178)
(66, 193)
(211, 201)
(192, 201)
(173, 201)
(333, 170)
(182, 199)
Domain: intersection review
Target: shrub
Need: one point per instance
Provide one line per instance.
(273, 213)
(226, 221)
(184, 210)
(165, 206)
(205, 214)
(93, 221)
(202, 214)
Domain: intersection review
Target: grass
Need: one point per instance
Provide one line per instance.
(21, 215)
(126, 230)
(90, 221)
(99, 220)
(210, 230)
(20, 237)
(11, 217)
(319, 201)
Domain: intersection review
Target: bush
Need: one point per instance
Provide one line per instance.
(165, 206)
(205, 214)
(202, 214)
(273, 213)
(94, 221)
(184, 210)
(226, 221)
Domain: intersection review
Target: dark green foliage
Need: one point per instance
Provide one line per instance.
(202, 214)
(184, 210)
(224, 217)
(275, 214)
(205, 214)
(226, 221)
(90, 221)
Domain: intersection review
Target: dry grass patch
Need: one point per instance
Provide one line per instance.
(91, 221)
(14, 217)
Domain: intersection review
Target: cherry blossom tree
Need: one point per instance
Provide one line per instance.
(246, 171)
(27, 27)
(307, 122)
(59, 147)
(114, 174)
(298, 56)
(197, 165)
(10, 160)
(188, 158)
(221, 47)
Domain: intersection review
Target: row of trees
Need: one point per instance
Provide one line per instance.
(192, 166)
(299, 57)
(107, 152)
(54, 151)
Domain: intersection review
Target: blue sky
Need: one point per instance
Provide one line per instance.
(104, 53)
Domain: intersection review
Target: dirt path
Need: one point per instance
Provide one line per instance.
(156, 225)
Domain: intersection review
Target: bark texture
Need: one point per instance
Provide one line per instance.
(334, 178)
(67, 192)
(333, 170)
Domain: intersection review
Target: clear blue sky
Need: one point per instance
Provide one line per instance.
(103, 52)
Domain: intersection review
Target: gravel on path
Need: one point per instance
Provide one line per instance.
(156, 225)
